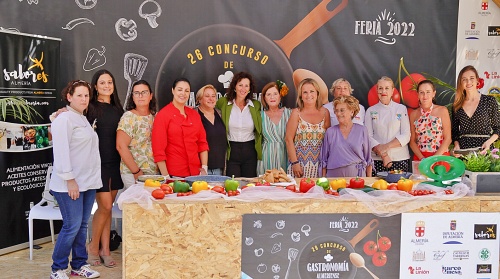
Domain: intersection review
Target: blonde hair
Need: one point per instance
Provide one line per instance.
(351, 102)
(200, 92)
(300, 102)
(385, 78)
(339, 80)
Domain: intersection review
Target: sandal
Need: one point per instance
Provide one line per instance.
(93, 260)
(108, 261)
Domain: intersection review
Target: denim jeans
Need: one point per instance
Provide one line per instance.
(73, 235)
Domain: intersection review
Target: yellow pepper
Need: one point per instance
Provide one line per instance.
(338, 183)
(152, 183)
(380, 184)
(199, 186)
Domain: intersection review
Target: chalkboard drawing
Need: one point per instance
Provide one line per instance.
(295, 236)
(226, 78)
(358, 261)
(261, 268)
(276, 277)
(134, 66)
(276, 248)
(306, 229)
(31, 1)
(11, 29)
(280, 224)
(94, 59)
(151, 17)
(258, 252)
(276, 234)
(257, 224)
(86, 4)
(275, 268)
(126, 29)
(248, 241)
(77, 21)
(292, 255)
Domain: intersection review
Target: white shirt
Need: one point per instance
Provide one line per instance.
(76, 152)
(359, 118)
(386, 122)
(241, 127)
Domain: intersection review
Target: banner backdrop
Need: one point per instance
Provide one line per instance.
(28, 89)
(208, 41)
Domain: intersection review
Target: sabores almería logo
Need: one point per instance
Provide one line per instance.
(25, 77)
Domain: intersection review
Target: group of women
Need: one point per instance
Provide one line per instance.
(99, 148)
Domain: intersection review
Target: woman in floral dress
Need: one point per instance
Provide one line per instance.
(305, 131)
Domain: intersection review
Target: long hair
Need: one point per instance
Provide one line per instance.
(152, 104)
(266, 87)
(231, 94)
(94, 109)
(300, 102)
(461, 94)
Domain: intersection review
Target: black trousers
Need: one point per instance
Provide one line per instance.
(242, 160)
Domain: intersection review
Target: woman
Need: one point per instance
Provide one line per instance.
(389, 130)
(180, 146)
(476, 120)
(430, 126)
(342, 87)
(346, 146)
(105, 111)
(211, 119)
(133, 137)
(305, 131)
(241, 116)
(274, 120)
(76, 176)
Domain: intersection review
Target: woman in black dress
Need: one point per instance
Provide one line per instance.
(211, 119)
(105, 111)
(476, 120)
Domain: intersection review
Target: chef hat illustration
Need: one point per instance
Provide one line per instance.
(226, 78)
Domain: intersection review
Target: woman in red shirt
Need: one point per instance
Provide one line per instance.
(180, 146)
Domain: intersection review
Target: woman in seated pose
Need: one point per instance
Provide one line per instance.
(133, 137)
(211, 119)
(274, 120)
(476, 120)
(241, 115)
(179, 141)
(342, 87)
(346, 147)
(389, 129)
(305, 131)
(430, 125)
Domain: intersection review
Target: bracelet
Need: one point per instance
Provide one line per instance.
(294, 163)
(137, 171)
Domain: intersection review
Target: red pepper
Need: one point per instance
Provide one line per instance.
(357, 183)
(306, 184)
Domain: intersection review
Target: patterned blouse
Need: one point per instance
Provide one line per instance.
(429, 131)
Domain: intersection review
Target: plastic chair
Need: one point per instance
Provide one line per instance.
(46, 209)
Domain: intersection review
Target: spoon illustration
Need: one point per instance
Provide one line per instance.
(358, 261)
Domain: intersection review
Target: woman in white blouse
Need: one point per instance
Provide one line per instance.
(389, 130)
(342, 87)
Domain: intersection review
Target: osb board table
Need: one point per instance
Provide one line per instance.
(188, 239)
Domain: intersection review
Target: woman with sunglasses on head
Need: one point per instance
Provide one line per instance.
(75, 177)
(133, 138)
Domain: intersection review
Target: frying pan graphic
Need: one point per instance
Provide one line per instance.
(331, 249)
(206, 53)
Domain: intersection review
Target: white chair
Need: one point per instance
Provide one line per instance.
(46, 209)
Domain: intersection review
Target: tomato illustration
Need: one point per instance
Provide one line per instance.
(370, 248)
(409, 89)
(379, 258)
(373, 96)
(384, 243)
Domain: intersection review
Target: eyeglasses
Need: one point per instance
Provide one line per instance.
(142, 93)
(80, 81)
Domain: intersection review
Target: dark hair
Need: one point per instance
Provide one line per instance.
(70, 89)
(460, 94)
(179, 80)
(426, 81)
(152, 104)
(115, 100)
(268, 86)
(231, 94)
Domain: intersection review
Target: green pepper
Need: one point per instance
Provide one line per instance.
(231, 184)
(181, 187)
(324, 183)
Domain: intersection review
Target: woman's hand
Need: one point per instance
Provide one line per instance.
(297, 170)
(73, 190)
(456, 147)
(486, 145)
(136, 176)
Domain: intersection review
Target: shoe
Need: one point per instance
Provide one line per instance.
(59, 274)
(85, 271)
(108, 261)
(93, 260)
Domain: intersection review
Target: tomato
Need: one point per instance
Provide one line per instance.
(384, 243)
(370, 248)
(373, 96)
(392, 186)
(263, 183)
(218, 189)
(167, 189)
(290, 187)
(380, 184)
(405, 184)
(409, 89)
(243, 187)
(379, 258)
(356, 183)
(338, 183)
(158, 194)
